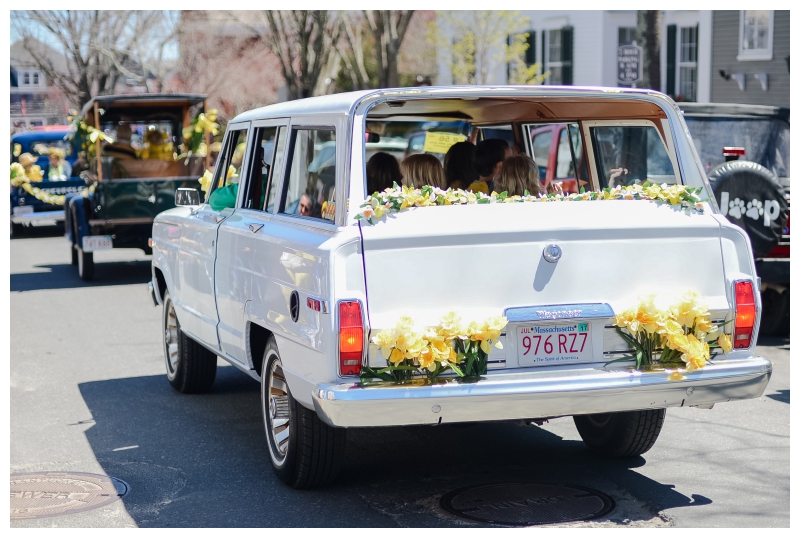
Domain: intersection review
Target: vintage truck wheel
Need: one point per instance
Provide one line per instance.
(17, 230)
(191, 368)
(85, 265)
(305, 452)
(74, 252)
(621, 435)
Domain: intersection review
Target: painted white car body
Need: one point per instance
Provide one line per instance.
(231, 273)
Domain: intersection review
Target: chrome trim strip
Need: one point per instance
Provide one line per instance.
(558, 311)
(536, 393)
(121, 222)
(35, 217)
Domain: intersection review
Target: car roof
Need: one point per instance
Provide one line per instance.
(49, 134)
(139, 99)
(734, 110)
(344, 103)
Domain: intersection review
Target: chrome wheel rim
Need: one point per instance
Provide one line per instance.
(276, 411)
(171, 339)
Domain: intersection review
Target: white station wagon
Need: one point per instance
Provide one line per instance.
(290, 283)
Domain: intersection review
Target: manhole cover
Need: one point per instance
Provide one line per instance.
(527, 504)
(35, 495)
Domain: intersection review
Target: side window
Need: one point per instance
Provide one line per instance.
(262, 171)
(564, 167)
(631, 154)
(541, 150)
(226, 173)
(311, 180)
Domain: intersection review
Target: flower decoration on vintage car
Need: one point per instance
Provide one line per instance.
(397, 198)
(683, 333)
(21, 178)
(451, 345)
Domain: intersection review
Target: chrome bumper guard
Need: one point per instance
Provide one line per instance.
(27, 218)
(538, 394)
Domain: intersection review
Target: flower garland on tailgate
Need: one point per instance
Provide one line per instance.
(683, 332)
(20, 179)
(397, 198)
(430, 351)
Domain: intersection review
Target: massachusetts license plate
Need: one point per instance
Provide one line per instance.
(559, 343)
(22, 210)
(97, 242)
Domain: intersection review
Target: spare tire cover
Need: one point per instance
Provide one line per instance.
(751, 197)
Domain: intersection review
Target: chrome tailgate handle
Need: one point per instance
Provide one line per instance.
(254, 227)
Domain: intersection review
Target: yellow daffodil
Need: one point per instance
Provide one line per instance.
(724, 342)
(696, 353)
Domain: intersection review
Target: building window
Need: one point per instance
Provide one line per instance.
(687, 65)
(26, 79)
(36, 79)
(626, 36)
(557, 55)
(755, 35)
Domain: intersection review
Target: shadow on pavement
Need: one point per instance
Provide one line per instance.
(780, 396)
(31, 232)
(202, 461)
(66, 276)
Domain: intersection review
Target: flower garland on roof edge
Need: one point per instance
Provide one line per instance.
(397, 198)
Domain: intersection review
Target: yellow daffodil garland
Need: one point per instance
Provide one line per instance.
(450, 345)
(684, 332)
(194, 134)
(397, 198)
(20, 179)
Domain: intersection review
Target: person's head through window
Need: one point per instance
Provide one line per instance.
(423, 169)
(518, 174)
(489, 159)
(305, 205)
(27, 161)
(459, 165)
(383, 171)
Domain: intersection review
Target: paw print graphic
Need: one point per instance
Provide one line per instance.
(736, 208)
(755, 209)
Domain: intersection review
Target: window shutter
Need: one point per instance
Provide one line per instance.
(544, 53)
(566, 55)
(530, 54)
(672, 45)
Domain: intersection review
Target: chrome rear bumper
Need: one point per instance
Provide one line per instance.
(28, 218)
(538, 393)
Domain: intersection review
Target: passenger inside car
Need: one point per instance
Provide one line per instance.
(423, 169)
(489, 157)
(459, 165)
(382, 172)
(518, 175)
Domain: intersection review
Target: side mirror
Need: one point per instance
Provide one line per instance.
(187, 197)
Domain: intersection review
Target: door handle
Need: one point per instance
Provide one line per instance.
(218, 219)
(255, 227)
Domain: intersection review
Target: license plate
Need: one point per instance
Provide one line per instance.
(97, 242)
(561, 343)
(22, 210)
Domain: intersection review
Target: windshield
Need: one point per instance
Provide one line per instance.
(765, 141)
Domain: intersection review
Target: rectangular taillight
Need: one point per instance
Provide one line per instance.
(745, 313)
(351, 338)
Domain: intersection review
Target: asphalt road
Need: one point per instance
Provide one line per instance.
(89, 394)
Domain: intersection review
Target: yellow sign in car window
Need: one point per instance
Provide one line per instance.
(441, 142)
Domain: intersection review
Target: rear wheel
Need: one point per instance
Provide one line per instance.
(305, 452)
(17, 230)
(191, 368)
(621, 435)
(775, 313)
(85, 264)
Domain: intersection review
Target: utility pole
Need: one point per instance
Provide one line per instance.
(648, 28)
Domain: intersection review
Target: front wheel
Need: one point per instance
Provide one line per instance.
(621, 435)
(305, 452)
(191, 368)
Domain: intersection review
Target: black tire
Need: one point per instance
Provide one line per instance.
(751, 190)
(17, 230)
(775, 313)
(621, 435)
(191, 368)
(72, 223)
(74, 253)
(311, 454)
(85, 265)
